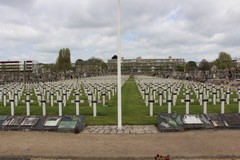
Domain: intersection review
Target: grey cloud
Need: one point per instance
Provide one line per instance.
(189, 29)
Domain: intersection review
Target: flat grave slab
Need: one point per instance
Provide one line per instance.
(12, 122)
(40, 124)
(67, 125)
(217, 120)
(51, 123)
(207, 123)
(170, 122)
(72, 123)
(192, 121)
(233, 120)
(29, 122)
(2, 119)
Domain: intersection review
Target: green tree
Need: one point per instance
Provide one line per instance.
(204, 65)
(190, 66)
(179, 67)
(114, 57)
(63, 62)
(224, 61)
(95, 66)
(68, 59)
(59, 60)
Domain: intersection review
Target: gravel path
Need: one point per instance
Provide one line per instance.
(224, 143)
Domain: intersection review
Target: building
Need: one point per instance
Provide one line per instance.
(18, 71)
(145, 66)
(18, 66)
(9, 66)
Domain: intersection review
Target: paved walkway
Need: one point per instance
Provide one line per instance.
(191, 144)
(127, 129)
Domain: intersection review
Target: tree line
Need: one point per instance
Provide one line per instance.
(224, 61)
(97, 66)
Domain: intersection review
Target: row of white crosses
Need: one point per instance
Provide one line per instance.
(203, 91)
(58, 93)
(51, 93)
(168, 90)
(44, 92)
(11, 93)
(98, 88)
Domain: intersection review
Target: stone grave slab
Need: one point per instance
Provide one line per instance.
(40, 124)
(170, 122)
(216, 120)
(13, 122)
(2, 119)
(67, 125)
(29, 122)
(52, 122)
(233, 120)
(192, 121)
(72, 122)
(207, 123)
(222, 116)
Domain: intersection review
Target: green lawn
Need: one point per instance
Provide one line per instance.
(134, 110)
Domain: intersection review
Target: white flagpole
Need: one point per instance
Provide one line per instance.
(119, 68)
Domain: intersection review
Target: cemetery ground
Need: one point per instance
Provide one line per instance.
(196, 144)
(134, 110)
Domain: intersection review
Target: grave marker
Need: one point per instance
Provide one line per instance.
(174, 98)
(90, 99)
(228, 93)
(16, 98)
(222, 100)
(59, 101)
(103, 98)
(94, 106)
(187, 101)
(51, 97)
(169, 102)
(11, 100)
(64, 99)
(43, 102)
(160, 98)
(4, 99)
(27, 101)
(205, 101)
(151, 102)
(238, 100)
(214, 93)
(146, 98)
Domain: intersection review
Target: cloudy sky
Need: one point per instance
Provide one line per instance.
(189, 29)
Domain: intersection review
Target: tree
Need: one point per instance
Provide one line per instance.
(190, 66)
(224, 61)
(204, 65)
(114, 57)
(59, 60)
(67, 57)
(179, 67)
(63, 62)
(79, 61)
(79, 66)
